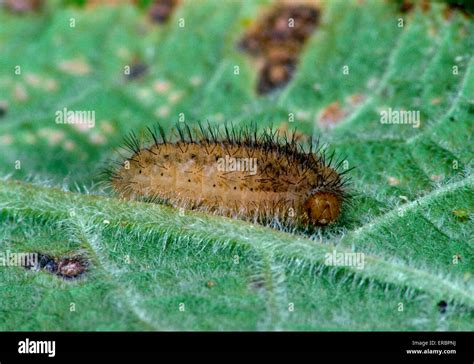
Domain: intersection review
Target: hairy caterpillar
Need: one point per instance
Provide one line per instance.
(261, 177)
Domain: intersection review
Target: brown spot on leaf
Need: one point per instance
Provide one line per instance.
(65, 267)
(37, 81)
(3, 108)
(277, 40)
(161, 10)
(138, 69)
(19, 93)
(32, 79)
(337, 111)
(406, 6)
(90, 4)
(436, 177)
(161, 86)
(23, 6)
(6, 139)
(355, 99)
(452, 6)
(76, 67)
(393, 181)
(331, 115)
(71, 267)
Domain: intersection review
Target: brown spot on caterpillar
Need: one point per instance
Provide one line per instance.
(261, 177)
(277, 40)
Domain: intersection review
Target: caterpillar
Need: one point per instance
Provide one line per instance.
(264, 177)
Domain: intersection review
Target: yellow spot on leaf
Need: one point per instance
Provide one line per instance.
(76, 67)
(393, 181)
(19, 93)
(161, 86)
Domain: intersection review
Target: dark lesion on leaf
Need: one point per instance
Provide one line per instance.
(442, 306)
(138, 69)
(65, 267)
(161, 10)
(466, 7)
(406, 6)
(3, 108)
(257, 283)
(277, 40)
(23, 6)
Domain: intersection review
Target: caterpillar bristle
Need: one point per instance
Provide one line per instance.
(181, 168)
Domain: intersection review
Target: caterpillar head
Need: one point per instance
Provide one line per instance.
(322, 208)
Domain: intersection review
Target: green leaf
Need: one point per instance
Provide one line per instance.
(153, 268)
